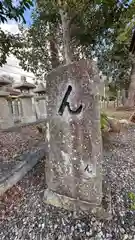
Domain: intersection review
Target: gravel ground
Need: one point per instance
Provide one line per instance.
(7, 167)
(13, 144)
(25, 216)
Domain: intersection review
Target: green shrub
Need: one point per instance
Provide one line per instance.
(131, 197)
(103, 121)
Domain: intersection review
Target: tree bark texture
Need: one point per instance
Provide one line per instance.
(55, 62)
(66, 37)
(131, 92)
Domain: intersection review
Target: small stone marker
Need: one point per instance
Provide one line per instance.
(73, 170)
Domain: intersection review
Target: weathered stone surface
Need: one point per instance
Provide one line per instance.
(27, 112)
(16, 110)
(41, 107)
(74, 139)
(6, 119)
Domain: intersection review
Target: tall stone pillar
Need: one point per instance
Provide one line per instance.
(73, 170)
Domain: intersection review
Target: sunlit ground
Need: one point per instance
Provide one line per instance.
(112, 112)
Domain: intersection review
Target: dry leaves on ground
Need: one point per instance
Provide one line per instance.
(13, 144)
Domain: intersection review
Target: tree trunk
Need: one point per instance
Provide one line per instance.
(54, 53)
(131, 92)
(66, 36)
(53, 47)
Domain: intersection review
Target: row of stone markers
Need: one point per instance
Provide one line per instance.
(28, 106)
(73, 166)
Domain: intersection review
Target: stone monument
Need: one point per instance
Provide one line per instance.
(27, 112)
(40, 101)
(73, 170)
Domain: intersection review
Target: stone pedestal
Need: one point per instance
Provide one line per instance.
(16, 112)
(6, 117)
(27, 113)
(123, 94)
(41, 107)
(73, 170)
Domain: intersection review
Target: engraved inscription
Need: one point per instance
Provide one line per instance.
(66, 103)
(88, 169)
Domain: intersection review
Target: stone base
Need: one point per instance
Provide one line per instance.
(44, 116)
(6, 124)
(28, 119)
(17, 119)
(102, 211)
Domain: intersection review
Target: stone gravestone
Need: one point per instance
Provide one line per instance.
(73, 170)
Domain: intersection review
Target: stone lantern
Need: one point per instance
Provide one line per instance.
(41, 101)
(6, 118)
(14, 103)
(27, 111)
